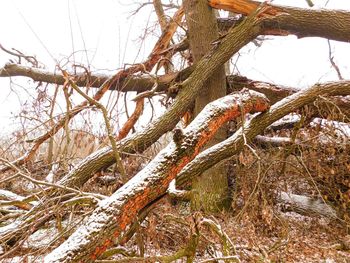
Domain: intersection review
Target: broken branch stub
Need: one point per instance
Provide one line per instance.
(245, 7)
(114, 214)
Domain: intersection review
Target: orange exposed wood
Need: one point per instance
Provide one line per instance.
(156, 55)
(152, 182)
(187, 117)
(245, 7)
(128, 212)
(132, 120)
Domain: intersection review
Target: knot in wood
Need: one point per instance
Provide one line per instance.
(178, 136)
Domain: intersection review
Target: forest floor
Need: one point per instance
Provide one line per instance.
(290, 237)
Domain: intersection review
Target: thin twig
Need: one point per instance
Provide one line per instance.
(107, 123)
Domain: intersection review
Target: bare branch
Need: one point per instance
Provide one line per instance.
(331, 59)
(153, 59)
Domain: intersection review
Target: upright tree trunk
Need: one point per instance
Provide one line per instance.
(211, 189)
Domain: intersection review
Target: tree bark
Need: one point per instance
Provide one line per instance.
(202, 32)
(302, 22)
(114, 214)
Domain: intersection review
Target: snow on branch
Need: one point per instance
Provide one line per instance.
(114, 214)
(257, 125)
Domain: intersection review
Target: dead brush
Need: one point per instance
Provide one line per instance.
(327, 168)
(256, 186)
(192, 235)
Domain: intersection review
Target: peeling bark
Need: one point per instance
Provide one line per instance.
(245, 7)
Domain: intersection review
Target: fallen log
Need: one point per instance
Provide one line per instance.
(287, 122)
(268, 142)
(337, 104)
(116, 213)
(306, 205)
(256, 126)
(143, 83)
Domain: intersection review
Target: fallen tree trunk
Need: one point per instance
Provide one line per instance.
(117, 212)
(268, 142)
(257, 125)
(275, 93)
(137, 83)
(145, 83)
(306, 206)
(207, 158)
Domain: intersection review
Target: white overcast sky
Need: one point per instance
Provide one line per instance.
(52, 29)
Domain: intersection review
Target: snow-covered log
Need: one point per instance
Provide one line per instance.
(257, 125)
(116, 213)
(306, 205)
(268, 142)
